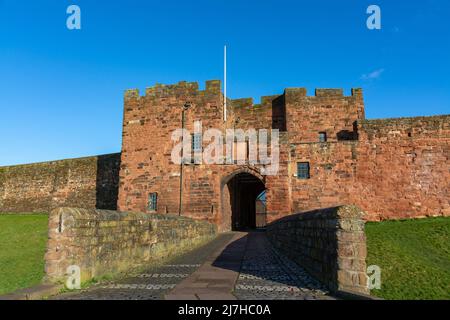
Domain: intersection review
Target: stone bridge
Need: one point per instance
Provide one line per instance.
(315, 255)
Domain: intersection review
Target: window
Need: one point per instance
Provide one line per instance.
(196, 147)
(152, 201)
(303, 170)
(322, 137)
(197, 142)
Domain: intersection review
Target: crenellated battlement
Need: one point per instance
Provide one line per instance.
(182, 88)
(179, 89)
(131, 93)
(242, 102)
(329, 93)
(213, 87)
(293, 94)
(322, 92)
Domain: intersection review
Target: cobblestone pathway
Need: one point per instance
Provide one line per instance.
(155, 282)
(264, 274)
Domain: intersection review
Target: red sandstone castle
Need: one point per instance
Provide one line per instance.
(328, 155)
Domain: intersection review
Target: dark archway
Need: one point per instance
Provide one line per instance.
(244, 189)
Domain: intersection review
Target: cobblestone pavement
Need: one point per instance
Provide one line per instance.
(155, 282)
(264, 274)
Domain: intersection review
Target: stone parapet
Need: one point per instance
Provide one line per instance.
(329, 243)
(102, 242)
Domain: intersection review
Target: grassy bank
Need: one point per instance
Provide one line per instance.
(23, 241)
(414, 256)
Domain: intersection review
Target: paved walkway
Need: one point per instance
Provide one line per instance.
(232, 266)
(216, 278)
(266, 274)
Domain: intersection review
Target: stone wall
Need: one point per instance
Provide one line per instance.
(90, 182)
(329, 243)
(105, 242)
(403, 168)
(150, 119)
(146, 165)
(394, 168)
(332, 174)
(328, 111)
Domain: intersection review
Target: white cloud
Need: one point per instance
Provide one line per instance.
(373, 75)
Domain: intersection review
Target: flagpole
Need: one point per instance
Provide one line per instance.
(225, 83)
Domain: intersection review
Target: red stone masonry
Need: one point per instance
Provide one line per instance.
(90, 182)
(403, 168)
(392, 168)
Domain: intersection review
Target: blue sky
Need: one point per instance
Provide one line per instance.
(62, 91)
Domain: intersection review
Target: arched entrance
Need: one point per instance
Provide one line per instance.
(242, 197)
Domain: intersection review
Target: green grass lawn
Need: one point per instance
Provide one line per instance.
(414, 257)
(23, 240)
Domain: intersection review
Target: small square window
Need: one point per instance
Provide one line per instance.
(303, 170)
(152, 201)
(322, 137)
